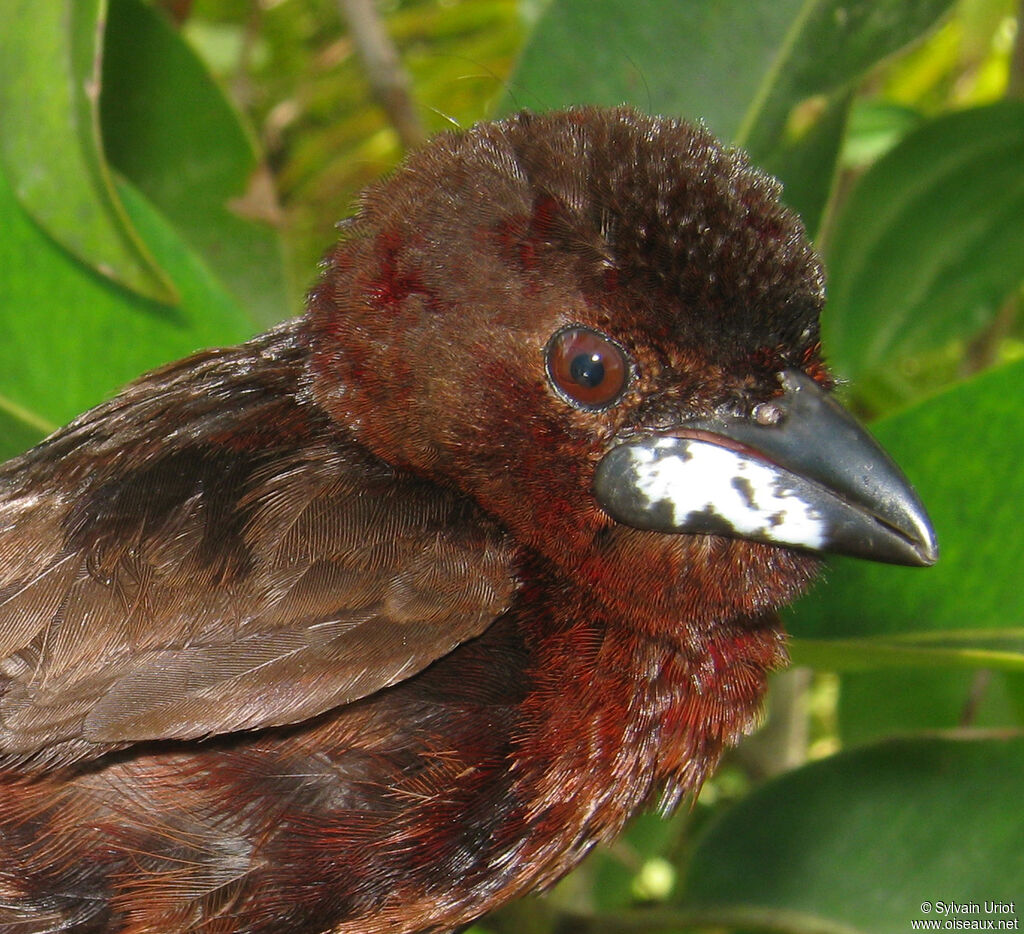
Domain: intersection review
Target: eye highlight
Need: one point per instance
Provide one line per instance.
(587, 369)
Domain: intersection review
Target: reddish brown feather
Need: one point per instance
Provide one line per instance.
(210, 589)
(467, 673)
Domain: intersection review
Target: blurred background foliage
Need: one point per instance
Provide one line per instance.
(171, 172)
(296, 72)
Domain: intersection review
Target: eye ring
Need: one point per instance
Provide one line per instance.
(586, 368)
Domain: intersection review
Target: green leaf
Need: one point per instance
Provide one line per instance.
(170, 129)
(931, 241)
(876, 704)
(50, 142)
(19, 428)
(963, 450)
(694, 58)
(744, 68)
(859, 841)
(72, 337)
(876, 126)
(808, 162)
(829, 45)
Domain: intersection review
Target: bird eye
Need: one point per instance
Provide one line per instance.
(588, 369)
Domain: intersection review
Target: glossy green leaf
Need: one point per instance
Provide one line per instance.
(694, 58)
(829, 45)
(807, 163)
(739, 66)
(931, 241)
(172, 131)
(858, 842)
(876, 126)
(72, 337)
(50, 141)
(963, 450)
(744, 68)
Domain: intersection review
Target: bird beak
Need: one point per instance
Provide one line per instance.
(810, 477)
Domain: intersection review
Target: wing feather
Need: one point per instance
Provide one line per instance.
(239, 578)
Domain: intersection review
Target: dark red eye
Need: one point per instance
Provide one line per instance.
(587, 368)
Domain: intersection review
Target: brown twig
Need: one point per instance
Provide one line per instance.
(388, 79)
(178, 10)
(983, 350)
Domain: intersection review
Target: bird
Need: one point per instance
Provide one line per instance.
(388, 615)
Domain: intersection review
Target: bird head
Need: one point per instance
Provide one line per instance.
(603, 327)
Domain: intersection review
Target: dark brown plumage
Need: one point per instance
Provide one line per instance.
(353, 627)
